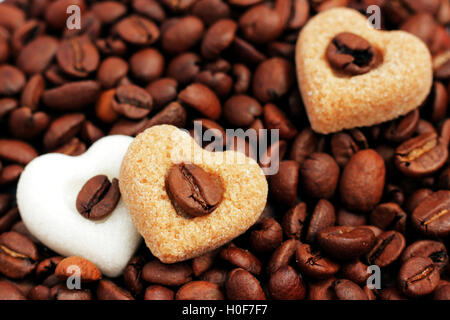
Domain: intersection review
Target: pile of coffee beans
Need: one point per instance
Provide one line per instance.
(377, 196)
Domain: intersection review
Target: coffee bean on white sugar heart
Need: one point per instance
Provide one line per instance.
(46, 197)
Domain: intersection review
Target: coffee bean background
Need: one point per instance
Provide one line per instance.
(339, 203)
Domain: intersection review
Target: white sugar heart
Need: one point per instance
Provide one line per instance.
(46, 196)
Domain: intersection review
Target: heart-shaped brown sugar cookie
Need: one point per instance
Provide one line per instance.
(352, 75)
(170, 233)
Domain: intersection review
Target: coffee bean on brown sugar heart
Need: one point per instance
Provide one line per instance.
(193, 189)
(98, 197)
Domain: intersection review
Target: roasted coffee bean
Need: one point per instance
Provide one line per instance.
(132, 101)
(72, 96)
(283, 185)
(399, 11)
(98, 197)
(313, 263)
(147, 65)
(343, 147)
(388, 216)
(241, 258)
(434, 250)
(32, 92)
(347, 290)
(303, 145)
(182, 34)
(242, 285)
(362, 181)
(163, 91)
(16, 151)
(442, 293)
(194, 190)
(217, 276)
(210, 11)
(24, 124)
(108, 11)
(17, 255)
(202, 99)
(150, 8)
(283, 255)
(167, 274)
(74, 147)
(323, 217)
(241, 110)
(77, 57)
(7, 105)
(274, 118)
(209, 130)
(47, 266)
(107, 290)
(392, 294)
(11, 17)
(63, 129)
(287, 284)
(418, 276)
(218, 38)
(90, 133)
(387, 248)
(10, 174)
(7, 219)
(219, 82)
(432, 215)
(184, 67)
(55, 15)
(319, 173)
(204, 262)
(347, 218)
(155, 292)
(111, 71)
(267, 237)
(132, 275)
(272, 79)
(8, 291)
(261, 24)
(32, 63)
(5, 202)
(273, 155)
(128, 127)
(351, 54)
(355, 271)
(103, 109)
(39, 292)
(322, 290)
(345, 243)
(416, 198)
(12, 80)
(422, 25)
(422, 155)
(403, 128)
(294, 221)
(246, 52)
(137, 30)
(199, 290)
(88, 272)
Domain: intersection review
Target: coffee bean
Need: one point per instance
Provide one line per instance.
(345, 243)
(261, 24)
(147, 65)
(403, 128)
(322, 290)
(132, 101)
(287, 284)
(163, 91)
(184, 67)
(343, 147)
(219, 82)
(39, 292)
(182, 34)
(362, 181)
(355, 271)
(304, 144)
(77, 57)
(194, 190)
(294, 221)
(434, 250)
(421, 155)
(132, 275)
(98, 197)
(423, 26)
(320, 174)
(111, 71)
(389, 216)
(218, 38)
(16, 151)
(387, 248)
(442, 293)
(210, 11)
(62, 129)
(241, 258)
(202, 99)
(282, 255)
(347, 290)
(322, 217)
(174, 114)
(7, 105)
(90, 133)
(273, 155)
(88, 272)
(241, 110)
(432, 215)
(167, 274)
(242, 285)
(155, 292)
(7, 219)
(5, 202)
(137, 30)
(437, 102)
(347, 218)
(418, 276)
(283, 185)
(72, 96)
(10, 174)
(74, 147)
(274, 118)
(272, 79)
(32, 92)
(313, 263)
(199, 290)
(204, 262)
(32, 63)
(11, 17)
(17, 255)
(24, 124)
(267, 236)
(242, 77)
(107, 290)
(108, 11)
(12, 80)
(8, 291)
